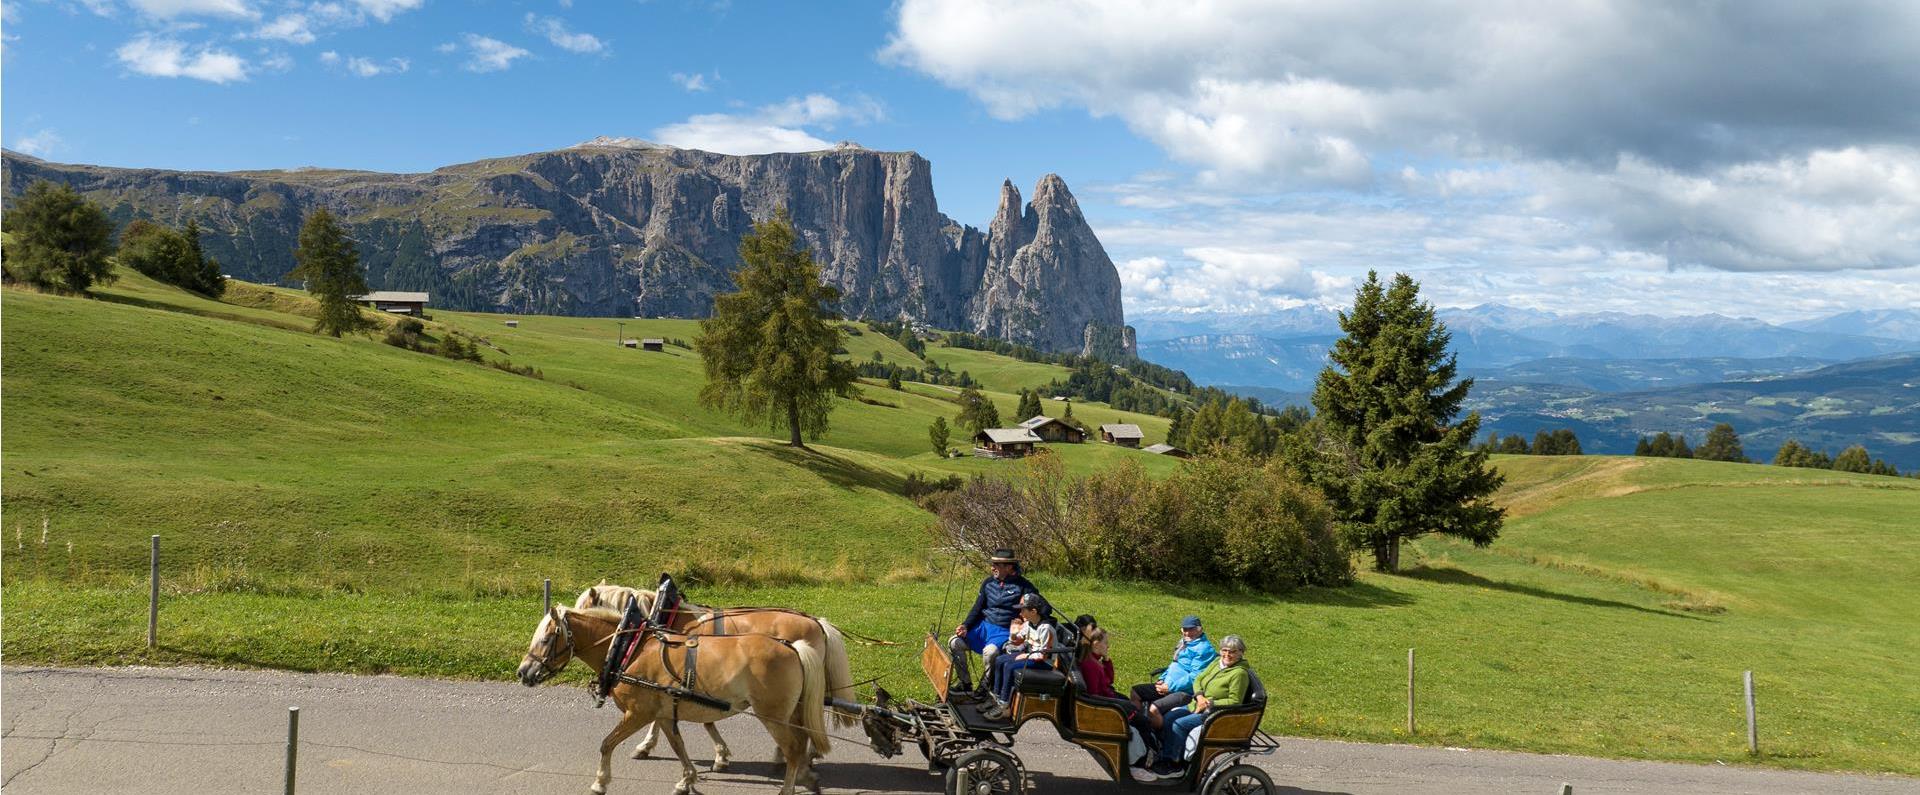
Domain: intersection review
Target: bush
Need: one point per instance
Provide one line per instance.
(917, 487)
(1223, 518)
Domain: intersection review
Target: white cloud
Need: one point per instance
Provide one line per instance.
(365, 67)
(386, 10)
(771, 128)
(555, 29)
(39, 144)
(694, 83)
(292, 28)
(487, 54)
(160, 57)
(168, 9)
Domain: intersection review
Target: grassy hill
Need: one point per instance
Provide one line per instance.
(345, 505)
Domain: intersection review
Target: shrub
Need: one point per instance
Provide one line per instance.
(917, 487)
(1223, 518)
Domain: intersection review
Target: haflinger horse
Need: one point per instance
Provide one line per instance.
(781, 683)
(693, 619)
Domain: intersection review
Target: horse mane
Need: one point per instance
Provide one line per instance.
(602, 613)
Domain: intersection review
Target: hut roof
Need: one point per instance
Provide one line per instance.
(390, 295)
(1123, 431)
(1163, 449)
(1008, 435)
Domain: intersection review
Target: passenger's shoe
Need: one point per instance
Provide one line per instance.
(997, 712)
(1165, 768)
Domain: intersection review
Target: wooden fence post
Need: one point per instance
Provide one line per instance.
(153, 595)
(1409, 692)
(1753, 731)
(546, 595)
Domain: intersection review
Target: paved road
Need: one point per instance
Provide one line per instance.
(187, 730)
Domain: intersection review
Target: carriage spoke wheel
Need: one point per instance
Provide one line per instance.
(984, 771)
(1241, 780)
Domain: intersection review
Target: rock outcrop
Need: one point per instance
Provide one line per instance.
(622, 227)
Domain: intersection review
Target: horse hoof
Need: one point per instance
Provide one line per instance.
(721, 765)
(639, 753)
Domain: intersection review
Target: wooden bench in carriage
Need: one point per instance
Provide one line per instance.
(976, 752)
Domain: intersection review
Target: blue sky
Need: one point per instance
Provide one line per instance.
(1758, 159)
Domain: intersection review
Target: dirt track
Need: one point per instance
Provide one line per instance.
(185, 730)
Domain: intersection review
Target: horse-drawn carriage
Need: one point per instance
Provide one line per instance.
(957, 734)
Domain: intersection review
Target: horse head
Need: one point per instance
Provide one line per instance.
(549, 651)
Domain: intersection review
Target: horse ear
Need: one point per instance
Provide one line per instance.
(593, 597)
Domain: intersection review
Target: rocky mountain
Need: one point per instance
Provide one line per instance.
(624, 227)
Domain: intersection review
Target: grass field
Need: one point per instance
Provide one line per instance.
(344, 505)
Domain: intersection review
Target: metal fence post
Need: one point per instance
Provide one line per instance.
(153, 595)
(293, 744)
(1409, 691)
(1753, 732)
(546, 595)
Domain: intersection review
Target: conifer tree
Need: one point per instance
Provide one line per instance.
(331, 269)
(939, 435)
(769, 347)
(1544, 443)
(1853, 459)
(1643, 447)
(60, 240)
(1392, 460)
(1514, 445)
(1680, 448)
(1722, 444)
(977, 412)
(1790, 454)
(1565, 442)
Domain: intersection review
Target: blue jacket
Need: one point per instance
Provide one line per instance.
(998, 601)
(1189, 659)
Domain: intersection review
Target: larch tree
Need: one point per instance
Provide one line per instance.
(1391, 458)
(769, 347)
(330, 266)
(59, 239)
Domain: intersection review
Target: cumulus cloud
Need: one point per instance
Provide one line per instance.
(779, 127)
(386, 10)
(294, 28)
(38, 144)
(359, 66)
(168, 9)
(555, 29)
(694, 83)
(162, 57)
(486, 54)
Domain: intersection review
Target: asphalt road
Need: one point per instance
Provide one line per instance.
(187, 730)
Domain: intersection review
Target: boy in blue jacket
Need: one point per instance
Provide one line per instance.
(1191, 655)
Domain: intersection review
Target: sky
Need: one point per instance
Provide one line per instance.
(1753, 158)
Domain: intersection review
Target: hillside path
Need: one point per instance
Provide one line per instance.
(192, 730)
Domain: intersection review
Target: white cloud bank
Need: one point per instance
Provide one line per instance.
(485, 54)
(555, 29)
(772, 128)
(162, 57)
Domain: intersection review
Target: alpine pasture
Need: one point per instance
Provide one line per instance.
(346, 505)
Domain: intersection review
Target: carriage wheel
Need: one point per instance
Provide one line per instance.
(985, 771)
(1241, 780)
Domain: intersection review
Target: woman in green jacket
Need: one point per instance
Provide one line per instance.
(1223, 684)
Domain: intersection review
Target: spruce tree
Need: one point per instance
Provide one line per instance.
(1853, 459)
(203, 273)
(1514, 445)
(1790, 454)
(977, 412)
(768, 348)
(1392, 461)
(1680, 449)
(1722, 444)
(60, 240)
(1565, 442)
(1544, 443)
(1643, 447)
(331, 268)
(939, 435)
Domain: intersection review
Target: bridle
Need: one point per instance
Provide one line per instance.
(545, 661)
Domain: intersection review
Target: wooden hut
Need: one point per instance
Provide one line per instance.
(1167, 449)
(397, 303)
(1123, 434)
(652, 344)
(1052, 429)
(1004, 442)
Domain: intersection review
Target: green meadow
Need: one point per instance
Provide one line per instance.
(344, 505)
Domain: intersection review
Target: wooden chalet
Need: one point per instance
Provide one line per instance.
(1123, 434)
(1167, 449)
(1004, 442)
(398, 303)
(652, 344)
(1053, 429)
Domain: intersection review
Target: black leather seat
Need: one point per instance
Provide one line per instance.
(1042, 682)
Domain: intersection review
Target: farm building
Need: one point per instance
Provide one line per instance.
(1167, 449)
(629, 343)
(652, 344)
(414, 304)
(1052, 429)
(1004, 442)
(1123, 434)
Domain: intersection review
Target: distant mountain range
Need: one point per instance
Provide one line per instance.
(1851, 378)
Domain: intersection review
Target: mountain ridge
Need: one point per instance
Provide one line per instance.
(615, 228)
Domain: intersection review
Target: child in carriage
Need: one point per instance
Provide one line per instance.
(1034, 654)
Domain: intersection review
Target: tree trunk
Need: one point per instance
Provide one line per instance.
(1386, 555)
(793, 424)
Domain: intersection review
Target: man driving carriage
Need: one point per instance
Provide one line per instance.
(984, 630)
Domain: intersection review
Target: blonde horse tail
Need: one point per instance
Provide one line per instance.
(813, 696)
(839, 673)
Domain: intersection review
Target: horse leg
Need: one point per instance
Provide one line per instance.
(722, 755)
(790, 744)
(629, 723)
(647, 741)
(687, 772)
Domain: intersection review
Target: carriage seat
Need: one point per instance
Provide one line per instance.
(1041, 682)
